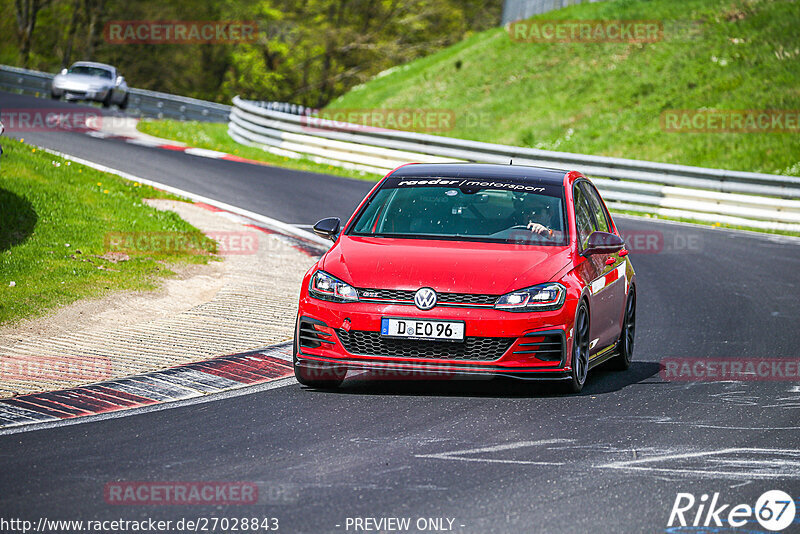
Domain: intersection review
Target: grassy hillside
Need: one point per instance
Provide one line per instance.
(607, 98)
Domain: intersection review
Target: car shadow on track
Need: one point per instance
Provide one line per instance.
(600, 381)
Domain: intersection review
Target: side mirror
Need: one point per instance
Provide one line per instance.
(120, 80)
(328, 228)
(63, 72)
(603, 243)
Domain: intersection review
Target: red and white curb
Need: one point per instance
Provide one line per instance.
(192, 151)
(183, 384)
(178, 383)
(306, 246)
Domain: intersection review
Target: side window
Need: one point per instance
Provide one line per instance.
(583, 216)
(596, 205)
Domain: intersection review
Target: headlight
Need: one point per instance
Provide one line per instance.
(325, 287)
(537, 298)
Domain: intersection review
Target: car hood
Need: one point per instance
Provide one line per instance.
(82, 80)
(446, 266)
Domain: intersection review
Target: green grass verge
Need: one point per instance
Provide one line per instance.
(54, 219)
(214, 136)
(608, 98)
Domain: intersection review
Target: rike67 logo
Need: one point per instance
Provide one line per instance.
(774, 510)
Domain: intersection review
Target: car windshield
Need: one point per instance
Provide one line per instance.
(502, 211)
(91, 71)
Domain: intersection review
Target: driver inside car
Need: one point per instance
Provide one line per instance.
(535, 213)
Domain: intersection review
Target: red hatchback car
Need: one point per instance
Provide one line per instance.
(469, 269)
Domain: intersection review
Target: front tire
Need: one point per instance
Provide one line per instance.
(124, 103)
(623, 360)
(580, 350)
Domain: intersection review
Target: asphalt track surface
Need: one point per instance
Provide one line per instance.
(495, 456)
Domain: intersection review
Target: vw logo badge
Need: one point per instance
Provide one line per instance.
(425, 298)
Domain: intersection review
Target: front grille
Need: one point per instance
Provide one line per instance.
(443, 299)
(386, 294)
(472, 349)
(467, 298)
(546, 347)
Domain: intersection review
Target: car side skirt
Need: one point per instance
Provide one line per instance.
(604, 355)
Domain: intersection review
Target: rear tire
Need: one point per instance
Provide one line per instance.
(322, 377)
(580, 350)
(623, 360)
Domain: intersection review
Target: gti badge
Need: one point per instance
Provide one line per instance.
(425, 298)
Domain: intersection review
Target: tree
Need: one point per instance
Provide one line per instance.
(26, 13)
(307, 52)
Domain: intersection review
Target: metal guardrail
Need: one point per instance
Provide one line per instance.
(141, 102)
(741, 198)
(514, 10)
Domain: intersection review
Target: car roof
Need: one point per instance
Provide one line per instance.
(481, 170)
(92, 64)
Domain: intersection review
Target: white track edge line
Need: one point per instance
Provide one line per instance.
(284, 227)
(267, 221)
(166, 405)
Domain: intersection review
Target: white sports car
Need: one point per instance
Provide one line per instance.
(86, 80)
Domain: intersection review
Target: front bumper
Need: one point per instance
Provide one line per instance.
(80, 93)
(410, 371)
(521, 353)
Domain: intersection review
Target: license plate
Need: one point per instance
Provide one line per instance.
(428, 329)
